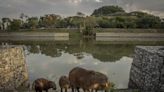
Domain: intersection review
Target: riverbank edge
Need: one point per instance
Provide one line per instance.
(34, 34)
(98, 34)
(116, 30)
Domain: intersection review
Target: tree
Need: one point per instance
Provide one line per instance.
(107, 10)
(162, 23)
(75, 21)
(80, 14)
(62, 23)
(138, 14)
(0, 25)
(15, 24)
(32, 22)
(90, 23)
(49, 20)
(117, 22)
(149, 22)
(23, 17)
(5, 23)
(104, 22)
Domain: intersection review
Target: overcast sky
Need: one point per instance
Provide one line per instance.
(13, 8)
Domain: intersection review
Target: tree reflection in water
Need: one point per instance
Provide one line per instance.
(103, 52)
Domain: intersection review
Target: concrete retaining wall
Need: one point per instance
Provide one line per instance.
(13, 70)
(35, 34)
(15, 36)
(159, 35)
(106, 36)
(147, 71)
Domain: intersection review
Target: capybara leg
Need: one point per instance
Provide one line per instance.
(106, 90)
(77, 88)
(72, 89)
(84, 90)
(46, 90)
(36, 90)
(61, 90)
(65, 89)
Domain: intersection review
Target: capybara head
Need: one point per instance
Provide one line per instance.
(64, 82)
(52, 85)
(106, 85)
(101, 86)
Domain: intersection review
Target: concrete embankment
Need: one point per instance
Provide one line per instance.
(34, 36)
(129, 36)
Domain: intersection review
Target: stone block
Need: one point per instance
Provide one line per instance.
(147, 71)
(137, 60)
(136, 76)
(162, 88)
(12, 67)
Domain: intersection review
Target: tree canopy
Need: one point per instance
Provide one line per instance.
(107, 10)
(103, 17)
(15, 24)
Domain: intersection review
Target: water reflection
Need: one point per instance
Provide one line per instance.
(52, 68)
(52, 60)
(102, 52)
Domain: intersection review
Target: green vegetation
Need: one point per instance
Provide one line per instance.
(103, 17)
(15, 24)
(108, 10)
(32, 22)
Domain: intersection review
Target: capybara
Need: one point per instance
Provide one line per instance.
(64, 83)
(42, 84)
(87, 80)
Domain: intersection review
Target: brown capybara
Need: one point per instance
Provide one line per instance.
(87, 80)
(64, 83)
(42, 84)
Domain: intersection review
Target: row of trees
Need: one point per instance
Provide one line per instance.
(104, 17)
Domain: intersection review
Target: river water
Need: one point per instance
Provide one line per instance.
(52, 59)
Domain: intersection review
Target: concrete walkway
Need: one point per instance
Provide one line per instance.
(16, 36)
(34, 34)
(129, 36)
